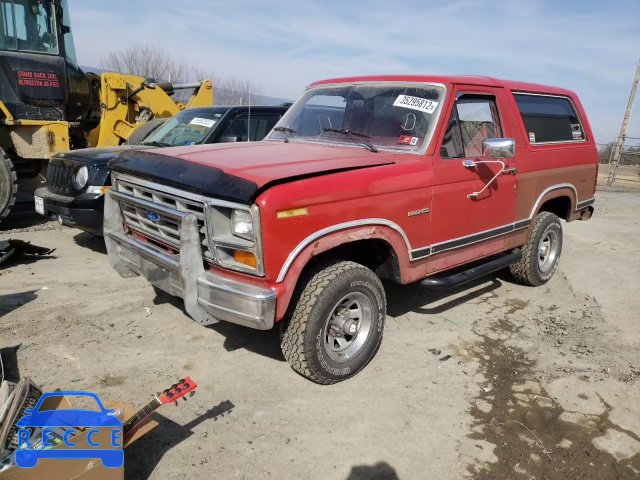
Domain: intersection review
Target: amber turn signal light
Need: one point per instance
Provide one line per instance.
(246, 258)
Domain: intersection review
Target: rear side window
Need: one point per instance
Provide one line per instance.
(253, 128)
(549, 119)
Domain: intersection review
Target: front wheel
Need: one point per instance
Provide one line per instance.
(541, 253)
(8, 185)
(336, 327)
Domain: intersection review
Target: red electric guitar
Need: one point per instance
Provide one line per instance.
(171, 394)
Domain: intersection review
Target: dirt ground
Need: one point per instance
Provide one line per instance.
(627, 179)
(490, 381)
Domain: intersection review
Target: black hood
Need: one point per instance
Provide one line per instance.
(98, 156)
(176, 172)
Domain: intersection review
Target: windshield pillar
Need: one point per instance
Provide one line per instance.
(69, 45)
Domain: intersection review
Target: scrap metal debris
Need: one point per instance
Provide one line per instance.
(11, 247)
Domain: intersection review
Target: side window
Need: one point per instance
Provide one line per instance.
(549, 119)
(253, 128)
(474, 118)
(8, 37)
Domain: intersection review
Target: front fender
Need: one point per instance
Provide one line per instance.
(332, 237)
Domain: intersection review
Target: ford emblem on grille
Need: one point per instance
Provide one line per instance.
(153, 216)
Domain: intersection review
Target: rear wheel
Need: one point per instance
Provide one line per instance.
(8, 185)
(336, 327)
(541, 253)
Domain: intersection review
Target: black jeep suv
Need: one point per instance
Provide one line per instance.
(78, 179)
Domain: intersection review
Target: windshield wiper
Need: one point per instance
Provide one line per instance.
(284, 131)
(359, 140)
(155, 143)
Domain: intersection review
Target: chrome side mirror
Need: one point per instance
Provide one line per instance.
(468, 163)
(498, 148)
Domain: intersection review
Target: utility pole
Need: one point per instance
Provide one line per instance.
(617, 150)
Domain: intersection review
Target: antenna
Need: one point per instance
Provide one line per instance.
(249, 120)
(128, 142)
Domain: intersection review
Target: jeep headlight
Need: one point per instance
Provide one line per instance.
(242, 224)
(81, 178)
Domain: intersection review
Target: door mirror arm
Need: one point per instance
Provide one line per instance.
(494, 148)
(473, 164)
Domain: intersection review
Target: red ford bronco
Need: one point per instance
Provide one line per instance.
(437, 180)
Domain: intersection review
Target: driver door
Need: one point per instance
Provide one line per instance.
(462, 223)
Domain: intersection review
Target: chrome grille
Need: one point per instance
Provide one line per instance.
(164, 229)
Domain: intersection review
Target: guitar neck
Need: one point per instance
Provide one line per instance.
(140, 415)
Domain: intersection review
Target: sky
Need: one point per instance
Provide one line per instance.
(589, 46)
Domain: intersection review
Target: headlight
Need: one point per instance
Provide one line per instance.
(242, 224)
(81, 178)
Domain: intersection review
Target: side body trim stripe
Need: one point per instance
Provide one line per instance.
(428, 250)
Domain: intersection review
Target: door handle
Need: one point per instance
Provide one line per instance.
(510, 171)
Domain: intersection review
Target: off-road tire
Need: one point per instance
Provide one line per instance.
(317, 292)
(527, 270)
(8, 185)
(143, 131)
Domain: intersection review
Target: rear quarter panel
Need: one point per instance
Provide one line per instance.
(544, 166)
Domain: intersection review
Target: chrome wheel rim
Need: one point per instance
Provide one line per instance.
(548, 251)
(348, 326)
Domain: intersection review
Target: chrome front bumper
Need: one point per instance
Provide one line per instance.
(208, 297)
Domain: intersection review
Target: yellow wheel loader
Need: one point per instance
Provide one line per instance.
(48, 104)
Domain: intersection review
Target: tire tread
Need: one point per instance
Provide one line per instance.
(13, 183)
(523, 271)
(307, 293)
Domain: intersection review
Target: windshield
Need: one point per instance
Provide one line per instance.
(387, 115)
(189, 127)
(28, 25)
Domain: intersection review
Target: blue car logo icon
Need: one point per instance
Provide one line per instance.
(65, 422)
(153, 216)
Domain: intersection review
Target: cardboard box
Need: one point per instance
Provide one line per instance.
(83, 469)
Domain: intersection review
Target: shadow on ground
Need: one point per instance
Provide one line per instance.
(379, 471)
(143, 455)
(24, 219)
(402, 299)
(13, 301)
(92, 242)
(265, 343)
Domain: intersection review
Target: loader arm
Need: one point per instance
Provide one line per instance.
(127, 101)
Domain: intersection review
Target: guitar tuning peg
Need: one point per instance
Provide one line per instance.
(181, 380)
(158, 394)
(193, 392)
(184, 398)
(176, 402)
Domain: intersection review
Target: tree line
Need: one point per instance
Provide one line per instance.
(152, 61)
(629, 155)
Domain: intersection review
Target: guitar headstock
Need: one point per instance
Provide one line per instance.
(179, 390)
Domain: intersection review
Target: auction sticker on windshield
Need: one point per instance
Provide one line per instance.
(416, 103)
(203, 122)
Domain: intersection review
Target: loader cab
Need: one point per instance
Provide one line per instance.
(39, 74)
